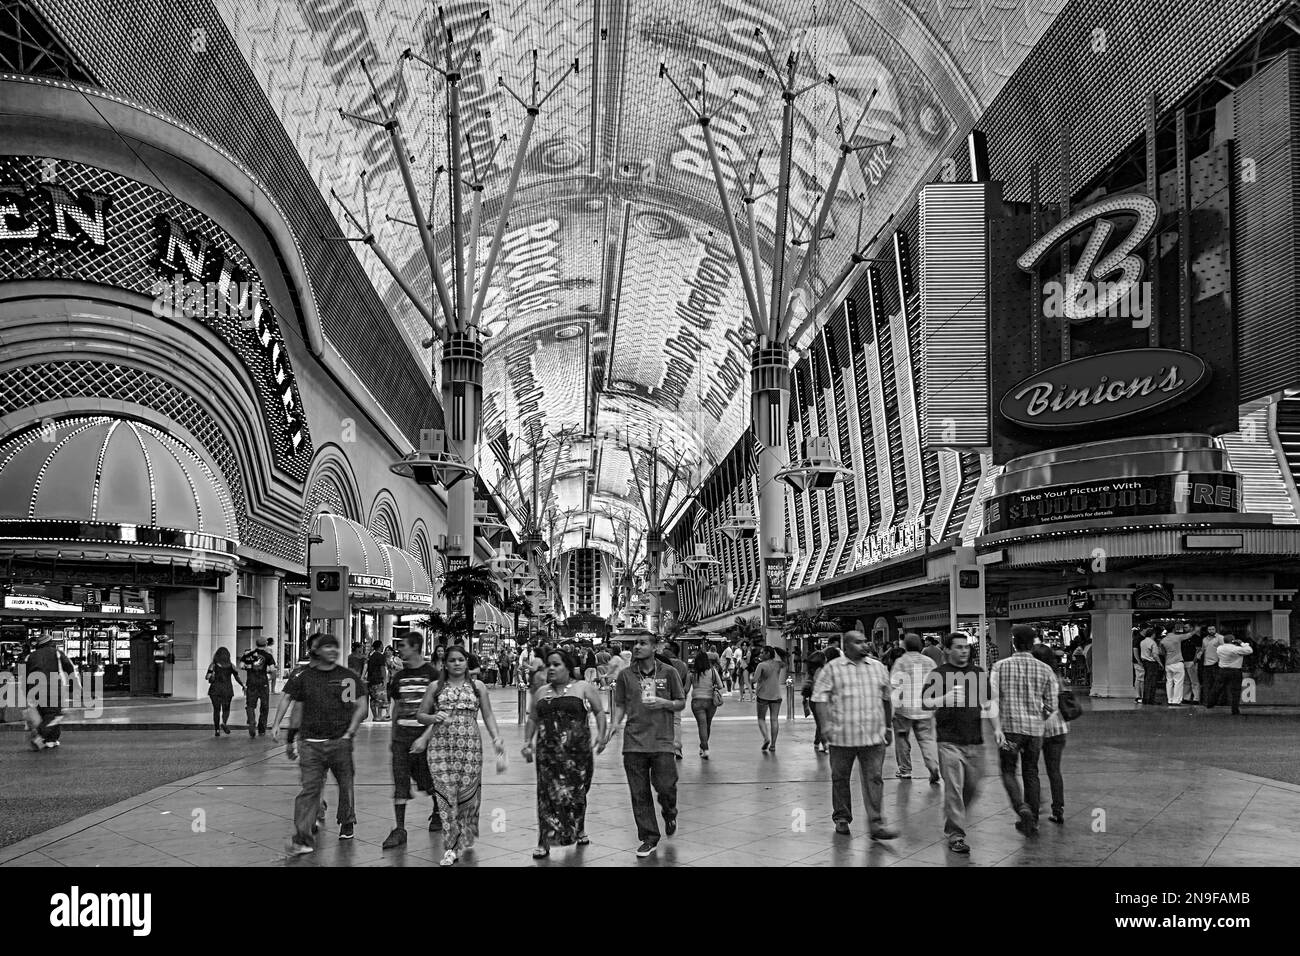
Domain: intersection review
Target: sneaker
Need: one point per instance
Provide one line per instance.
(645, 849)
(959, 846)
(225, 730)
(904, 776)
(934, 780)
(449, 858)
(1057, 818)
(346, 832)
(670, 826)
(252, 733)
(842, 828)
(395, 839)
(216, 733)
(884, 833)
(51, 744)
(1027, 824)
(298, 849)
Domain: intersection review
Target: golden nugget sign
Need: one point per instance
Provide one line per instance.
(1105, 387)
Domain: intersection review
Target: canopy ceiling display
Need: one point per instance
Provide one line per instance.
(617, 310)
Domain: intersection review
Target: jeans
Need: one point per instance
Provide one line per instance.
(1230, 686)
(644, 771)
(960, 765)
(220, 711)
(1209, 685)
(1053, 747)
(1028, 748)
(924, 729)
(677, 730)
(871, 760)
(1150, 681)
(1174, 683)
(315, 758)
(257, 695)
(704, 709)
(817, 720)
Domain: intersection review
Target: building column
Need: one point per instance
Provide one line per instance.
(270, 615)
(1111, 627)
(192, 613)
(386, 622)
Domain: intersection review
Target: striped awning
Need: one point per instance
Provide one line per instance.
(347, 543)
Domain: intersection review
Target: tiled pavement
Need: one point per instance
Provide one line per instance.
(1125, 807)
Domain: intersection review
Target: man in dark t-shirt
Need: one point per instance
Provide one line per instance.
(406, 691)
(958, 693)
(333, 706)
(650, 694)
(259, 668)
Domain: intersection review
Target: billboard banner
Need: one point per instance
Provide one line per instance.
(1172, 494)
(774, 601)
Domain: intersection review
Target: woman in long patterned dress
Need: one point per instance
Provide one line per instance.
(557, 719)
(455, 750)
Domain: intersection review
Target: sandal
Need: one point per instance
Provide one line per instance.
(583, 839)
(540, 853)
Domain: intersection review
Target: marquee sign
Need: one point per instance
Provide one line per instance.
(1105, 387)
(113, 230)
(892, 541)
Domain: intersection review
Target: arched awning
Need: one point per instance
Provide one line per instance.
(494, 618)
(104, 489)
(412, 591)
(346, 543)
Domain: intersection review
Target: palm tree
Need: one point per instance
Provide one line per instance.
(464, 587)
(748, 629)
(517, 604)
(805, 623)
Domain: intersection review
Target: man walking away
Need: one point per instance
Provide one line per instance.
(1149, 652)
(48, 673)
(406, 690)
(357, 659)
(1210, 667)
(649, 693)
(1231, 652)
(933, 651)
(958, 692)
(259, 670)
(1054, 730)
(907, 677)
(376, 679)
(852, 697)
(1022, 690)
(333, 706)
(671, 656)
(1171, 653)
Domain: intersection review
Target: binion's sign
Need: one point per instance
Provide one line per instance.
(1105, 387)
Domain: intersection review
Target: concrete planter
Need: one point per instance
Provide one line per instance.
(1284, 690)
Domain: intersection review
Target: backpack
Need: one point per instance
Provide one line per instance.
(1068, 705)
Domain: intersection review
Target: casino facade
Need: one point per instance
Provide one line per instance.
(191, 407)
(1038, 434)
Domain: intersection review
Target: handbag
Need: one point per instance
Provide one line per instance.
(1068, 705)
(717, 688)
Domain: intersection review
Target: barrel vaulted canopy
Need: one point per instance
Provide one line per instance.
(616, 310)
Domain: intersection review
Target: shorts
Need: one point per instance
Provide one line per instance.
(765, 705)
(408, 766)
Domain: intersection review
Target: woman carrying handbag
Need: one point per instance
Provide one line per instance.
(705, 685)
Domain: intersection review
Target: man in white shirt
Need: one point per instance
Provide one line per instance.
(1149, 653)
(1231, 652)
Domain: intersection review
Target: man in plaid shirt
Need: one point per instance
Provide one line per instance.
(1023, 692)
(852, 698)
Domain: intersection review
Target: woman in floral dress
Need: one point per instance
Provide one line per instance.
(558, 721)
(455, 750)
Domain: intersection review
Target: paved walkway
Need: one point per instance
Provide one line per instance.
(1126, 805)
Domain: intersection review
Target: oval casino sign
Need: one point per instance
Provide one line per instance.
(1105, 388)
